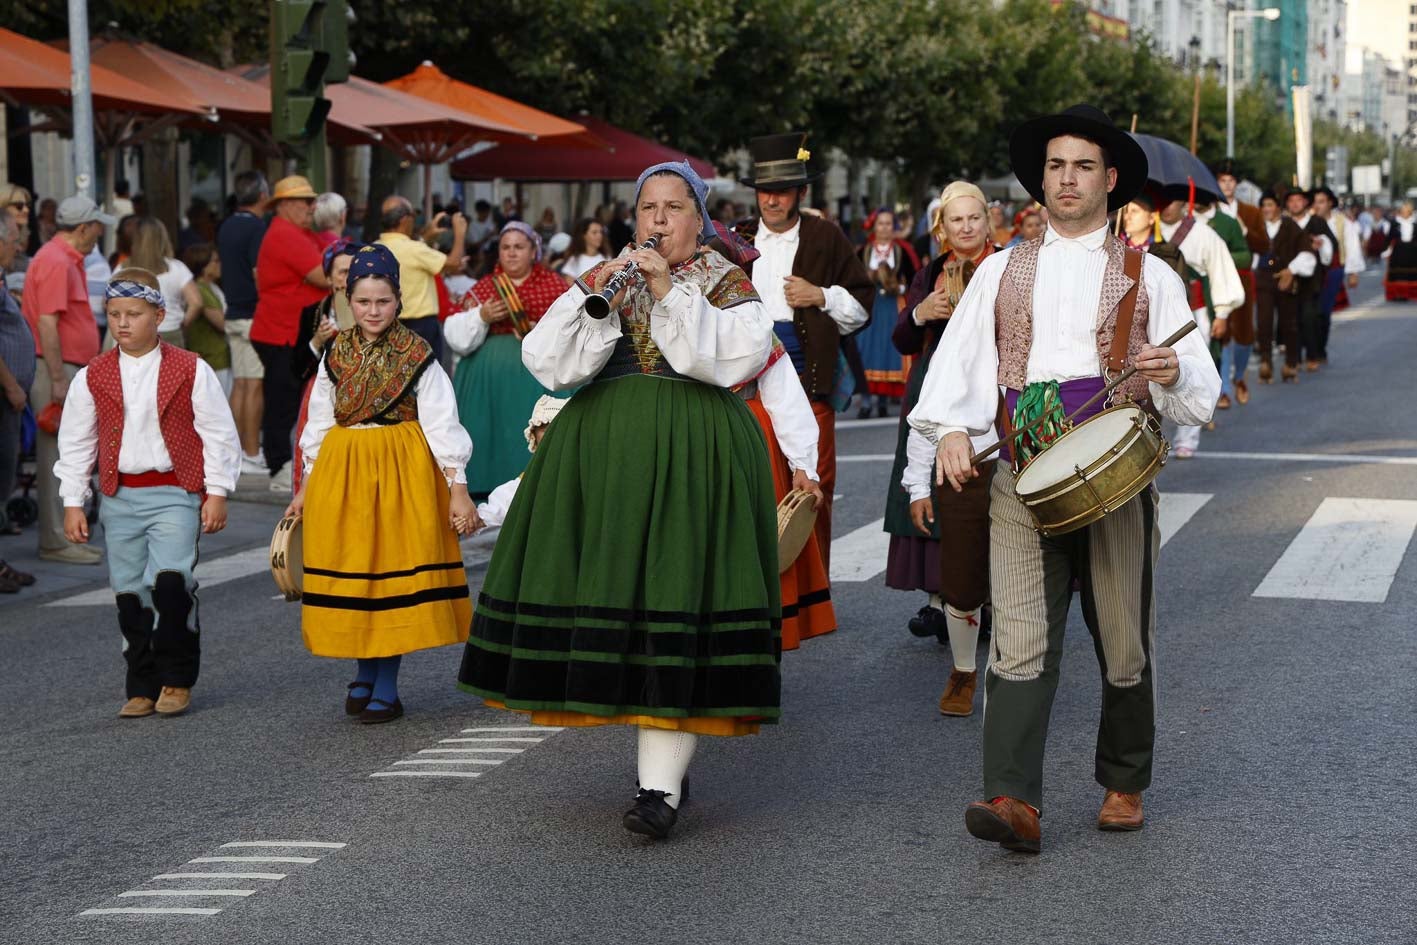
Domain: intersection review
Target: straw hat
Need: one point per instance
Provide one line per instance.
(294, 187)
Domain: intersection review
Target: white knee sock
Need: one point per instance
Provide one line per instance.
(936, 602)
(964, 637)
(663, 759)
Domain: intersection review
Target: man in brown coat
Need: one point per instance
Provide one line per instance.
(1276, 287)
(815, 286)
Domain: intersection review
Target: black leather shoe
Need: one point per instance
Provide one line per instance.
(650, 816)
(353, 705)
(930, 622)
(387, 714)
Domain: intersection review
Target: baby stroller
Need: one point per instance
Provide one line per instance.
(21, 508)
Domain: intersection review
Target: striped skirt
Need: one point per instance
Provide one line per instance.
(383, 570)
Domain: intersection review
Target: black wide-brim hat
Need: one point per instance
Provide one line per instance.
(1029, 147)
(780, 162)
(1228, 166)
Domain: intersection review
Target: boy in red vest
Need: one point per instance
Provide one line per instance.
(154, 420)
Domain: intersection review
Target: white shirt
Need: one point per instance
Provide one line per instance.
(793, 422)
(493, 512)
(722, 347)
(437, 415)
(577, 266)
(779, 250)
(172, 282)
(1325, 247)
(961, 391)
(1302, 265)
(142, 449)
(1232, 208)
(1349, 242)
(1208, 254)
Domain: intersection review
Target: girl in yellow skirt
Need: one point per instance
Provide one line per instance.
(384, 497)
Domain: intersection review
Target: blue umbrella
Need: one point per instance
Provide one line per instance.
(1173, 166)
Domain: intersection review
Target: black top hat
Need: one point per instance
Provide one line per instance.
(1324, 189)
(780, 162)
(1029, 147)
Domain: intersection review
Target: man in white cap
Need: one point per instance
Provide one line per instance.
(56, 306)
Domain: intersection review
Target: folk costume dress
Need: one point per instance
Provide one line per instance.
(892, 270)
(635, 580)
(1401, 279)
(495, 392)
(383, 571)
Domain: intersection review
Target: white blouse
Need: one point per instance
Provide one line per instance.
(722, 347)
(793, 422)
(437, 414)
(494, 511)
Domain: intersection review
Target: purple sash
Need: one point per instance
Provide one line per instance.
(1075, 393)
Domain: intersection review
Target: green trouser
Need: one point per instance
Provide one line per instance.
(1031, 578)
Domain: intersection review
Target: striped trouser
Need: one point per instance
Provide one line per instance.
(1031, 579)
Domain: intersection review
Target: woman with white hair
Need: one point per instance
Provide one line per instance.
(328, 220)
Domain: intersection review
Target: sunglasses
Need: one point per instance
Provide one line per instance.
(21, 204)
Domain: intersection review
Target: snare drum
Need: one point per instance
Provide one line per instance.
(288, 557)
(796, 519)
(1095, 468)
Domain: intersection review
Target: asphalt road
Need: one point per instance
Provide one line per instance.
(1280, 811)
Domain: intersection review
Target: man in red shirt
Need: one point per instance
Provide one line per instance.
(289, 276)
(56, 306)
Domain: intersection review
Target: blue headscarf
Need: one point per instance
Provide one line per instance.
(374, 261)
(128, 289)
(344, 246)
(696, 184)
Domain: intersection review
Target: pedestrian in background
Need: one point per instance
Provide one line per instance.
(15, 202)
(331, 214)
(56, 306)
(17, 363)
(420, 264)
(239, 244)
(204, 331)
(152, 251)
(588, 245)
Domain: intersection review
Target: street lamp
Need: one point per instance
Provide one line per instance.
(1269, 13)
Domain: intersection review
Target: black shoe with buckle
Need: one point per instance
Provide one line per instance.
(353, 705)
(651, 815)
(386, 712)
(930, 622)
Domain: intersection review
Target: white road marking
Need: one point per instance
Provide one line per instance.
(469, 751)
(867, 458)
(313, 844)
(514, 728)
(426, 774)
(1349, 550)
(1177, 509)
(151, 910)
(451, 761)
(1355, 458)
(867, 424)
(860, 555)
(186, 892)
(220, 876)
(255, 859)
(480, 740)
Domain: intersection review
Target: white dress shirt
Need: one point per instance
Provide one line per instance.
(779, 250)
(722, 347)
(494, 511)
(1232, 208)
(1325, 246)
(1348, 234)
(1207, 253)
(437, 415)
(1303, 264)
(791, 413)
(142, 449)
(961, 391)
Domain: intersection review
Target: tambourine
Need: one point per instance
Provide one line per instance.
(288, 557)
(796, 519)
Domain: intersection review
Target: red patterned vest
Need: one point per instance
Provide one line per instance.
(175, 376)
(1013, 315)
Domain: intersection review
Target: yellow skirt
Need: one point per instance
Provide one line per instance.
(383, 571)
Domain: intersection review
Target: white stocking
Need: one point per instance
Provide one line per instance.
(664, 758)
(964, 637)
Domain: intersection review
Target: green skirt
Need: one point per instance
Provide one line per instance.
(636, 571)
(496, 394)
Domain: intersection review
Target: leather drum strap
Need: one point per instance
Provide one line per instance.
(1126, 310)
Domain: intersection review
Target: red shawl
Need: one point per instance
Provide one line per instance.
(537, 292)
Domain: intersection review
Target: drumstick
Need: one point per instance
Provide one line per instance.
(1180, 333)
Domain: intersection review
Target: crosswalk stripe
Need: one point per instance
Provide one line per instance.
(860, 555)
(1348, 550)
(1177, 508)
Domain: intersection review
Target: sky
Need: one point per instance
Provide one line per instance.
(1380, 25)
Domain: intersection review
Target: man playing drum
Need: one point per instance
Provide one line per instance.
(1067, 290)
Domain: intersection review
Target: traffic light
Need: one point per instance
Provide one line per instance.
(309, 48)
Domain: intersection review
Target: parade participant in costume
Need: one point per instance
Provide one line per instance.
(495, 392)
(1236, 333)
(1401, 278)
(635, 579)
(892, 265)
(940, 542)
(167, 458)
(318, 324)
(494, 510)
(1345, 263)
(814, 287)
(1215, 288)
(384, 498)
(1277, 267)
(1028, 225)
(914, 559)
(1039, 320)
(1299, 204)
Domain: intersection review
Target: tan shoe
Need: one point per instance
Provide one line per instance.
(136, 708)
(1223, 403)
(1120, 811)
(1266, 372)
(1242, 393)
(73, 554)
(1006, 821)
(958, 699)
(173, 701)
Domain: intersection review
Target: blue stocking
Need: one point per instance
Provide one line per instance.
(364, 675)
(386, 682)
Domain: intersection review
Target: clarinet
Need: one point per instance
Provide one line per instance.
(597, 305)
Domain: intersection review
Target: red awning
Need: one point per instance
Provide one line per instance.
(547, 161)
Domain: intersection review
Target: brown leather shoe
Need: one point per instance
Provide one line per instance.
(1242, 393)
(1266, 372)
(1006, 821)
(174, 700)
(136, 708)
(1120, 812)
(958, 699)
(1223, 403)
(1291, 374)
(1311, 365)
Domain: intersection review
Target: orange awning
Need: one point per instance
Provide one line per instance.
(431, 83)
(36, 74)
